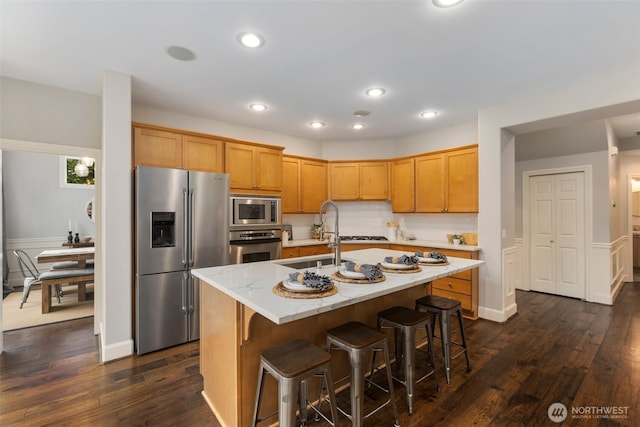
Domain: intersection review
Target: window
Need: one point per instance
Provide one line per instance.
(77, 172)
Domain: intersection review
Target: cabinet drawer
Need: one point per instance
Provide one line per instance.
(314, 250)
(290, 253)
(452, 284)
(465, 300)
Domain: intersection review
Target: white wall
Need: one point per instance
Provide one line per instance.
(358, 150)
(115, 232)
(438, 139)
(37, 206)
(40, 113)
(582, 101)
(617, 187)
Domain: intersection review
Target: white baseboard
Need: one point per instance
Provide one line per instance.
(497, 315)
(114, 351)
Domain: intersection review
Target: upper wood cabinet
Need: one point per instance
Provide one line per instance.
(290, 185)
(403, 185)
(447, 182)
(359, 180)
(254, 167)
(202, 154)
(153, 147)
(304, 184)
(168, 149)
(313, 185)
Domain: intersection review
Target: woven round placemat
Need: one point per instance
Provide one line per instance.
(434, 264)
(400, 271)
(281, 291)
(340, 278)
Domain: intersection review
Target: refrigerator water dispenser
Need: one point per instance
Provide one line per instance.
(162, 229)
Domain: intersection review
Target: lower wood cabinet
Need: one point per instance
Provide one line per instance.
(461, 286)
(315, 250)
(289, 253)
(294, 252)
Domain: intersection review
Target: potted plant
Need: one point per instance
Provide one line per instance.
(315, 231)
(457, 239)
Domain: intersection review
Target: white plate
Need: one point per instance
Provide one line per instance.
(352, 274)
(393, 266)
(293, 286)
(431, 260)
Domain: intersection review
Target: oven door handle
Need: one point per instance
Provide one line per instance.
(254, 242)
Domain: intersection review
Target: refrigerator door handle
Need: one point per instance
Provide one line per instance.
(190, 225)
(191, 296)
(184, 284)
(185, 234)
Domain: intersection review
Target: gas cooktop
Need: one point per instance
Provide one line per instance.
(362, 238)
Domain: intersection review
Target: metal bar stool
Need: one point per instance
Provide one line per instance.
(405, 322)
(292, 364)
(445, 307)
(357, 339)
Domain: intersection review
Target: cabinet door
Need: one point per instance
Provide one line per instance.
(239, 159)
(202, 154)
(313, 185)
(430, 183)
(345, 181)
(374, 181)
(403, 185)
(268, 169)
(462, 180)
(290, 185)
(157, 148)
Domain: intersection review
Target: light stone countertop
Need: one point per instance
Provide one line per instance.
(251, 284)
(418, 243)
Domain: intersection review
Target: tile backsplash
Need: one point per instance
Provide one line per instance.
(370, 219)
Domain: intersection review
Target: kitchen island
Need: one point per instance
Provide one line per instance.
(240, 316)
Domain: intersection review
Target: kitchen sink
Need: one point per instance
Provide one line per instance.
(298, 265)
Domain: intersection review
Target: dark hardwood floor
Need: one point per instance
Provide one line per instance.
(583, 355)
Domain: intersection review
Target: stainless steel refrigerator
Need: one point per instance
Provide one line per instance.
(182, 222)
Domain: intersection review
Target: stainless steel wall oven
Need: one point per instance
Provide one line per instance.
(254, 245)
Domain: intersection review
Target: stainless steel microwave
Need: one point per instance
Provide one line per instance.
(254, 210)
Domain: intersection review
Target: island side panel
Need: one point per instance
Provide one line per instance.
(263, 333)
(220, 332)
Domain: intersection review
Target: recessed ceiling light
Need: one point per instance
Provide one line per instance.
(258, 107)
(316, 125)
(375, 91)
(361, 113)
(357, 126)
(180, 53)
(251, 40)
(429, 114)
(446, 3)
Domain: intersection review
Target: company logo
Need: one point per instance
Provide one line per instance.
(557, 412)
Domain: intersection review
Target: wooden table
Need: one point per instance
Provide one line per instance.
(79, 255)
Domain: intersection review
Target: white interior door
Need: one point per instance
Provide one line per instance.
(557, 221)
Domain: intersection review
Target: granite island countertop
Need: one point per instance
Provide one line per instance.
(252, 284)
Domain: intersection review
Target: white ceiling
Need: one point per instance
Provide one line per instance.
(320, 56)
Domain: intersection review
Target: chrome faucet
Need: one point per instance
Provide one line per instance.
(335, 245)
